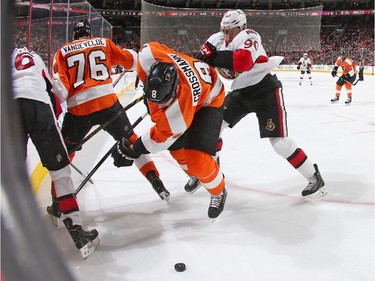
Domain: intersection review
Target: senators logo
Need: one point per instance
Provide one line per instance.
(270, 125)
(228, 74)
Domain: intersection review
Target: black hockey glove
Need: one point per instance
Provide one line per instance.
(207, 53)
(334, 71)
(346, 77)
(121, 155)
(298, 67)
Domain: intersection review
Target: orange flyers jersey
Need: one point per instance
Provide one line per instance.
(198, 86)
(82, 69)
(348, 66)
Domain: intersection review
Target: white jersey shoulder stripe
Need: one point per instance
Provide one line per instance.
(146, 58)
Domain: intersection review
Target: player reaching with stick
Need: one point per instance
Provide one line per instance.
(82, 68)
(184, 97)
(238, 54)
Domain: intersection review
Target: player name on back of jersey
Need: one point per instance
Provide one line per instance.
(83, 45)
(190, 75)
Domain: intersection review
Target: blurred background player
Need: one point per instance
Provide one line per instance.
(304, 64)
(347, 78)
(82, 69)
(185, 98)
(31, 83)
(239, 55)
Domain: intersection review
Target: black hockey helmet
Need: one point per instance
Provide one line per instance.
(81, 28)
(343, 53)
(161, 82)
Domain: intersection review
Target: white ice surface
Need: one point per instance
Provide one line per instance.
(266, 232)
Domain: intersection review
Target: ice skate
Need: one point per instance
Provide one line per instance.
(310, 82)
(300, 83)
(335, 99)
(348, 101)
(85, 241)
(158, 186)
(315, 188)
(54, 213)
(217, 204)
(192, 185)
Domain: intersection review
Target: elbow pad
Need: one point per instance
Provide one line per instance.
(223, 59)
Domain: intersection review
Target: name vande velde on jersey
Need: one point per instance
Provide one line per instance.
(83, 45)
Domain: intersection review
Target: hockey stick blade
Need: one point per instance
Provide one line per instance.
(80, 172)
(109, 152)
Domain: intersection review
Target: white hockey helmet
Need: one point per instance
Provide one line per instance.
(305, 54)
(232, 19)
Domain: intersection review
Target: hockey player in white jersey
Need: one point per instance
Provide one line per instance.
(32, 93)
(238, 54)
(305, 65)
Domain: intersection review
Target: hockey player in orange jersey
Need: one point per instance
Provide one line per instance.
(82, 70)
(349, 74)
(185, 98)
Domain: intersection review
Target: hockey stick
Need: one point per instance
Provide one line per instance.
(360, 76)
(104, 125)
(118, 79)
(109, 152)
(80, 172)
(354, 83)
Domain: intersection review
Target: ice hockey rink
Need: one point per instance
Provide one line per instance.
(266, 232)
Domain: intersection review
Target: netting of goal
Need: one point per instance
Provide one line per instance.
(44, 28)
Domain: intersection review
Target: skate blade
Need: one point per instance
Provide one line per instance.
(195, 189)
(56, 221)
(165, 197)
(315, 196)
(89, 248)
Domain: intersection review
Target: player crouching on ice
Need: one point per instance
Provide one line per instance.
(185, 100)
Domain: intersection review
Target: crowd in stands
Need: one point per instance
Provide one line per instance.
(356, 37)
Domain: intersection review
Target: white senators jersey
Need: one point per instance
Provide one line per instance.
(84, 69)
(260, 65)
(198, 86)
(304, 64)
(29, 73)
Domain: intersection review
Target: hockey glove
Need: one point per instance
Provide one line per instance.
(119, 155)
(207, 53)
(298, 67)
(334, 71)
(346, 77)
(124, 146)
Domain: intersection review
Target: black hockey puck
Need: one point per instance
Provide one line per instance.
(180, 267)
